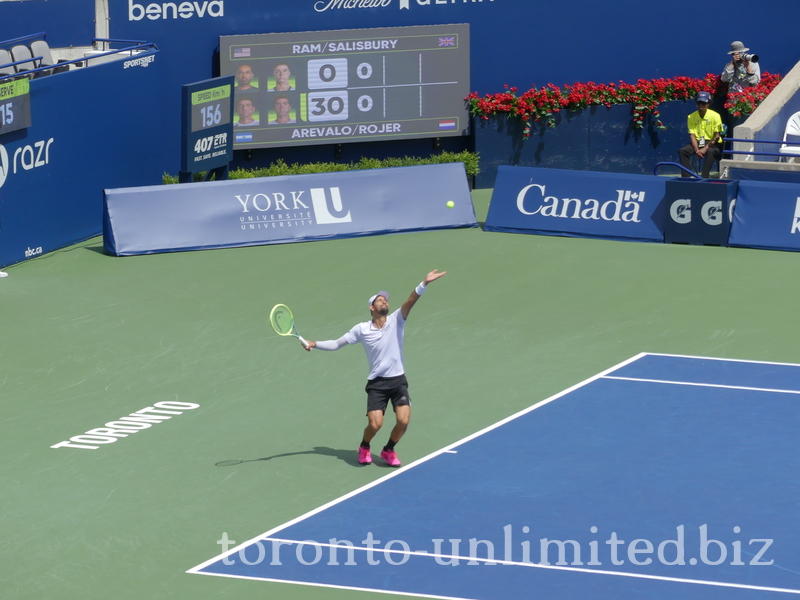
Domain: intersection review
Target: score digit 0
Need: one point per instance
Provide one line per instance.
(364, 103)
(327, 73)
(364, 70)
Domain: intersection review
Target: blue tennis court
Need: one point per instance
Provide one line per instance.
(662, 477)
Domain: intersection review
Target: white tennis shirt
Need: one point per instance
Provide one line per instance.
(384, 346)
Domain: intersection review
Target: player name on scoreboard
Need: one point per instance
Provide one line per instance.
(344, 46)
(351, 85)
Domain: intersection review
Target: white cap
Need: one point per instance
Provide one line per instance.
(383, 293)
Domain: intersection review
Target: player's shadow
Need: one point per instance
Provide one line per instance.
(348, 456)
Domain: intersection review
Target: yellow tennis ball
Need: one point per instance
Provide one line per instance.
(450, 204)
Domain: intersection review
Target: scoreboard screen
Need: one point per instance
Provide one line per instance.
(206, 129)
(355, 85)
(15, 106)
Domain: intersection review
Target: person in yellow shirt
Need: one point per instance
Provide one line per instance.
(705, 135)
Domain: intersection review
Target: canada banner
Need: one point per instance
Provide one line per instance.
(294, 208)
(577, 204)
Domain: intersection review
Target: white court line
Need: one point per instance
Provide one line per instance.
(337, 587)
(497, 561)
(712, 385)
(418, 462)
(739, 360)
(449, 449)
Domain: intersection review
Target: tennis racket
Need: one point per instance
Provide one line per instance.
(282, 321)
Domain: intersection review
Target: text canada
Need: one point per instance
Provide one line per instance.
(532, 200)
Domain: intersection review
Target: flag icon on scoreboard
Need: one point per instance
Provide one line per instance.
(449, 124)
(244, 137)
(241, 52)
(447, 41)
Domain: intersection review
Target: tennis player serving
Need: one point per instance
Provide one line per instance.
(382, 338)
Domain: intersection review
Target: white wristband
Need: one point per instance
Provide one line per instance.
(420, 289)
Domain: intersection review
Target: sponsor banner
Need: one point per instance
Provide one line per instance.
(699, 211)
(767, 216)
(764, 175)
(276, 210)
(577, 203)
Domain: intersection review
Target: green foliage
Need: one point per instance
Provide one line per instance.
(279, 168)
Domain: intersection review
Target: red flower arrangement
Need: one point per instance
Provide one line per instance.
(745, 102)
(537, 105)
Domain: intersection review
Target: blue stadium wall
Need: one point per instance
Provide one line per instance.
(91, 128)
(66, 22)
(514, 42)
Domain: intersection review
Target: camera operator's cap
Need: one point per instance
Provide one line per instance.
(738, 47)
(383, 293)
(703, 97)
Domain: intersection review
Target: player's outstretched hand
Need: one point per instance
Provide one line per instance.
(434, 275)
(311, 345)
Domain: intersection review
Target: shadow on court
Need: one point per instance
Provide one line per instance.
(347, 456)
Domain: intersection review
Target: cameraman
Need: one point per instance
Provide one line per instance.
(743, 70)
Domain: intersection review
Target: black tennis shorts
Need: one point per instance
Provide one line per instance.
(382, 389)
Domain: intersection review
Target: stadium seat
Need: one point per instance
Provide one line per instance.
(41, 48)
(22, 52)
(5, 59)
(791, 134)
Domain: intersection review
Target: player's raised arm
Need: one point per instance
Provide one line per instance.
(412, 299)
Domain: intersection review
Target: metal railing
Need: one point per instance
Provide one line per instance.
(674, 164)
(140, 47)
(754, 142)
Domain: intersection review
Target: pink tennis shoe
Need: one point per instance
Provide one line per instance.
(390, 458)
(364, 455)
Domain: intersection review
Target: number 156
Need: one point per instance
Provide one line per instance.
(211, 115)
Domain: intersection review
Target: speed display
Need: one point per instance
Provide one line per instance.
(206, 129)
(15, 107)
(330, 87)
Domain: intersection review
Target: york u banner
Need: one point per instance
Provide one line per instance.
(577, 203)
(295, 208)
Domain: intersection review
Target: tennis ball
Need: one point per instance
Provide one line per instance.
(450, 204)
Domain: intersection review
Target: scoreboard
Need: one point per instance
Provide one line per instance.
(332, 87)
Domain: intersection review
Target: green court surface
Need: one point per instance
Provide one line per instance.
(88, 338)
